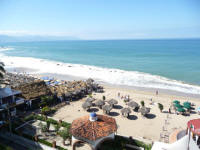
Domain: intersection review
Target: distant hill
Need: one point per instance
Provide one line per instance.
(31, 38)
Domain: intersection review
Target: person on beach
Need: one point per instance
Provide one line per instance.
(157, 92)
(118, 95)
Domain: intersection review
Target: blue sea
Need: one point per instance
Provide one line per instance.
(167, 64)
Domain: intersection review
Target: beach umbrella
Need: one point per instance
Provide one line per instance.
(107, 108)
(86, 105)
(181, 110)
(133, 104)
(177, 105)
(187, 103)
(176, 102)
(126, 111)
(90, 99)
(99, 103)
(112, 102)
(144, 110)
(198, 109)
(187, 106)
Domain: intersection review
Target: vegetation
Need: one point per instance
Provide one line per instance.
(142, 103)
(90, 95)
(65, 134)
(5, 147)
(57, 127)
(2, 70)
(104, 98)
(160, 106)
(47, 101)
(120, 144)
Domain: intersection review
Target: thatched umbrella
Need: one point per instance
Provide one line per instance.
(86, 105)
(144, 110)
(107, 109)
(99, 103)
(126, 111)
(133, 105)
(90, 99)
(112, 102)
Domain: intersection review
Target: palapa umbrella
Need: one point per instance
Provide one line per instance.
(144, 110)
(107, 108)
(126, 111)
(86, 105)
(176, 102)
(99, 103)
(112, 102)
(90, 99)
(133, 104)
(181, 110)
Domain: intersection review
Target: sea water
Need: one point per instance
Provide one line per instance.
(165, 64)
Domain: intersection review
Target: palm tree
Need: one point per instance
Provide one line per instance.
(2, 70)
(65, 134)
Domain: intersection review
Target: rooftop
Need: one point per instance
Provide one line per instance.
(93, 130)
(195, 124)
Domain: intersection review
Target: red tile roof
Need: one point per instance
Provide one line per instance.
(93, 130)
(196, 124)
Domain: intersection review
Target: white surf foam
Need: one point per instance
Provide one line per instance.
(112, 76)
(5, 49)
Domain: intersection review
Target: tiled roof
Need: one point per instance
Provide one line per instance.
(93, 130)
(196, 124)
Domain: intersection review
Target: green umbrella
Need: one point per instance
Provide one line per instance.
(178, 105)
(187, 106)
(186, 103)
(176, 102)
(181, 110)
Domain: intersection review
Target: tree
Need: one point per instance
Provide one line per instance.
(104, 98)
(2, 70)
(142, 103)
(65, 134)
(57, 127)
(160, 106)
(48, 124)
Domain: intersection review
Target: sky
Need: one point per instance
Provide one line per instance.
(101, 19)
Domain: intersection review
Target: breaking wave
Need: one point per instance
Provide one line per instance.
(112, 76)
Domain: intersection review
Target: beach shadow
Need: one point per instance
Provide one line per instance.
(114, 114)
(165, 112)
(117, 107)
(132, 117)
(193, 112)
(93, 110)
(150, 116)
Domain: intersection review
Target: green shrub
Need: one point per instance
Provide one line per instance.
(45, 110)
(30, 117)
(160, 106)
(52, 121)
(104, 98)
(142, 103)
(5, 147)
(39, 117)
(65, 124)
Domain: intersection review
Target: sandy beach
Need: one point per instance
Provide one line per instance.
(143, 128)
(147, 129)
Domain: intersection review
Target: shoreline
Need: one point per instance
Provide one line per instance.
(135, 88)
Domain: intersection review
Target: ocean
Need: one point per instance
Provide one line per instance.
(163, 64)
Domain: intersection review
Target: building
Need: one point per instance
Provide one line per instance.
(9, 100)
(93, 129)
(193, 128)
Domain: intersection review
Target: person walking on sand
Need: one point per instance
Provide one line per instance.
(118, 95)
(157, 92)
